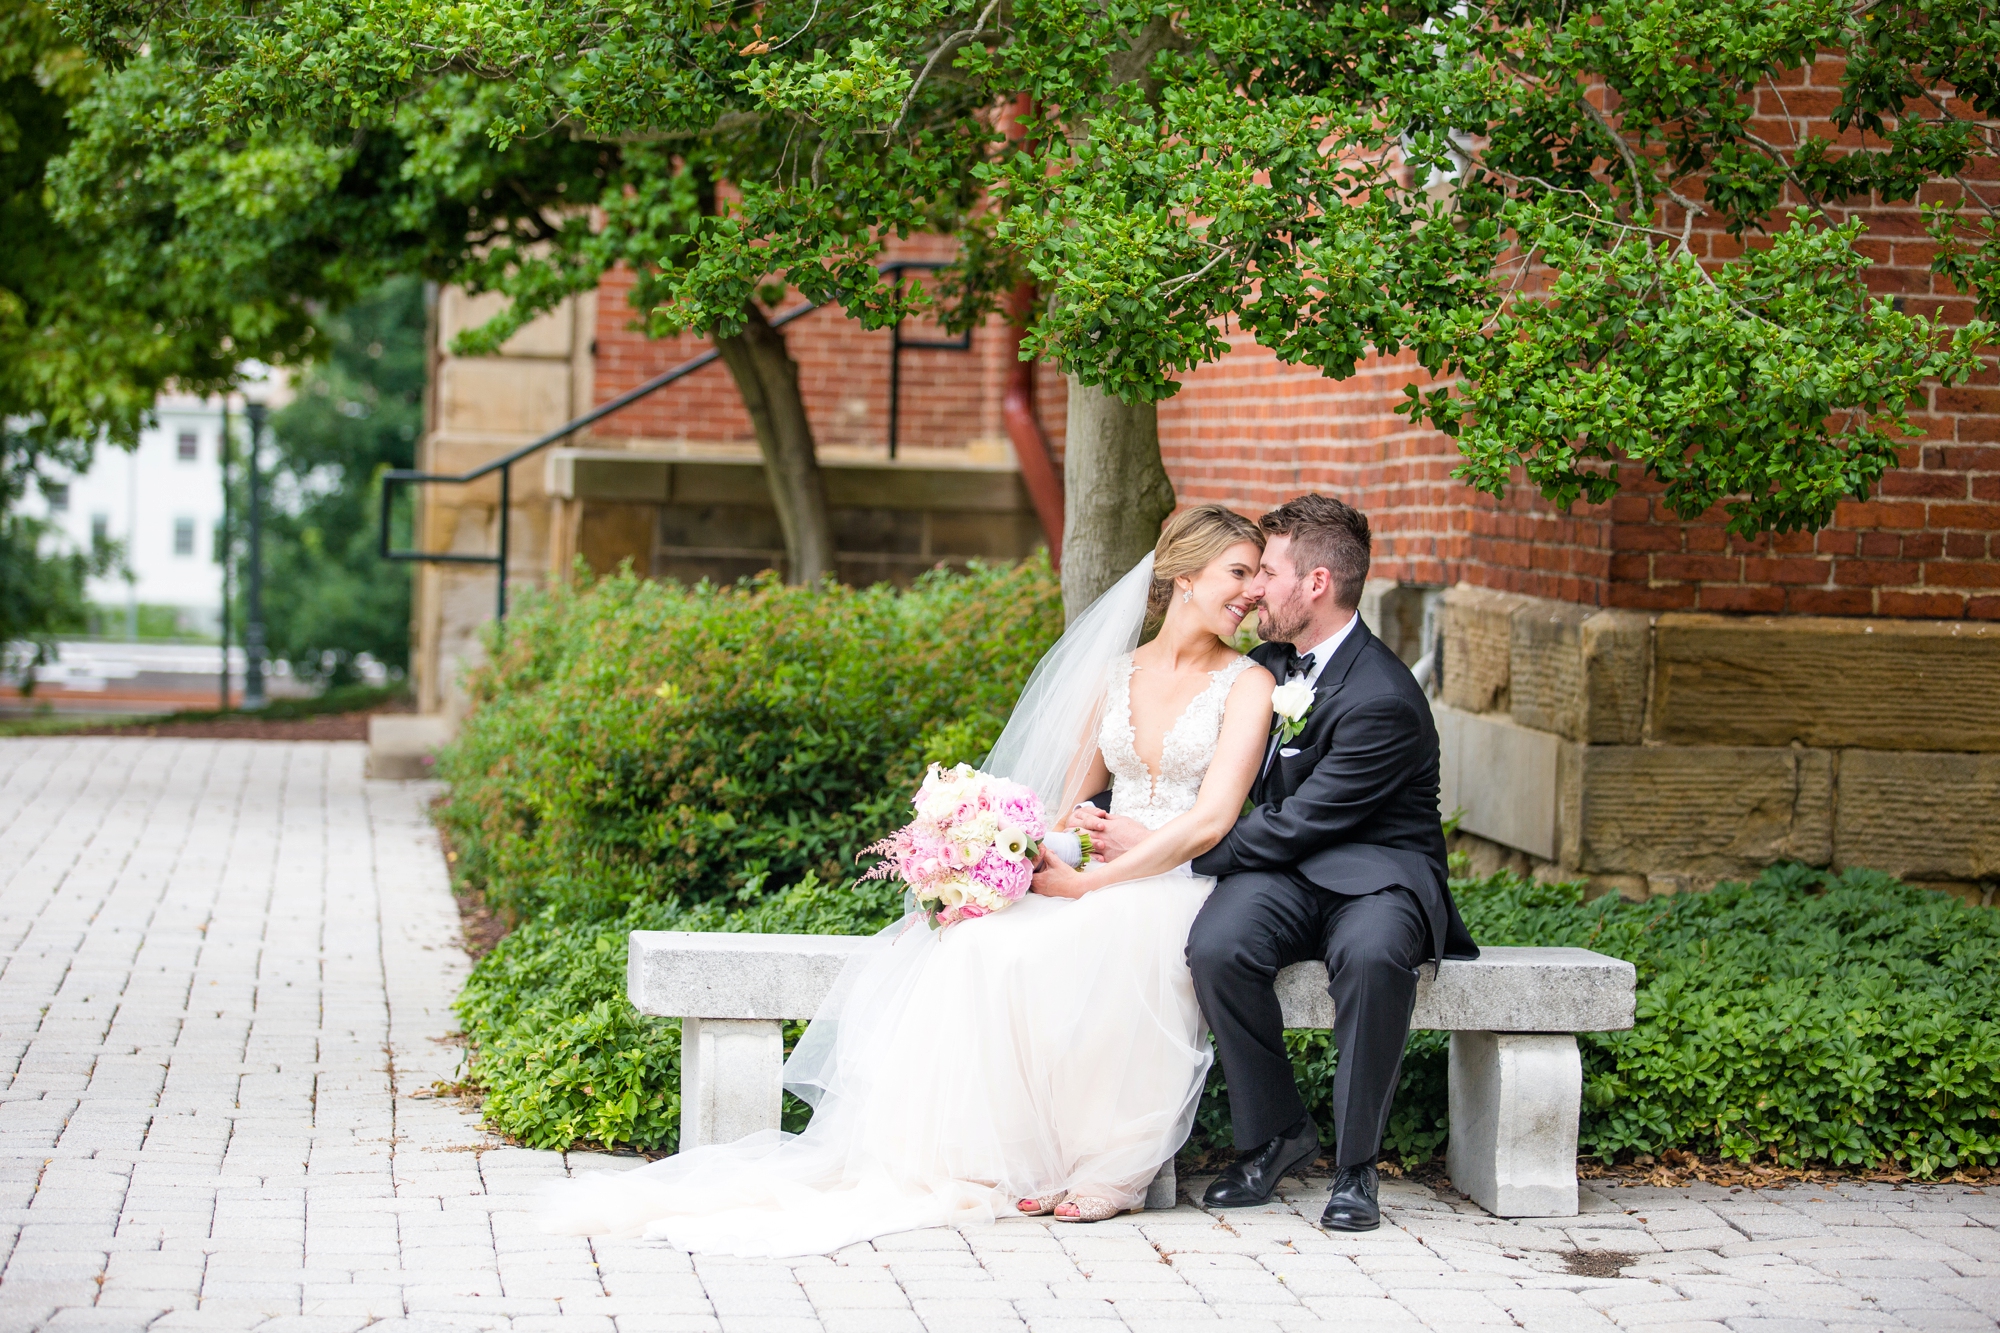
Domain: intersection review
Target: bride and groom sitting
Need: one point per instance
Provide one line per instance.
(1047, 1060)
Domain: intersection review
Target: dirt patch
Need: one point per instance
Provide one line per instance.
(481, 926)
(1674, 1168)
(1596, 1263)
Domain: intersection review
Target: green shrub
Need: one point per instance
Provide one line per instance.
(1808, 1018)
(633, 741)
(563, 1057)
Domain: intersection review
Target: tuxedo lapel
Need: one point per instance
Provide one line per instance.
(1335, 675)
(1331, 678)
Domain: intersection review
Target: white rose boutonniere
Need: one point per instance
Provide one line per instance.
(1291, 703)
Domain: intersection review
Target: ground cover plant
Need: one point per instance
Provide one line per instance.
(562, 1057)
(1803, 1019)
(635, 742)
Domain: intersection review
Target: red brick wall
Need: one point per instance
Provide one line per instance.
(1251, 432)
(1927, 542)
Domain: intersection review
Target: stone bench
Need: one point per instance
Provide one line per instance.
(1516, 1077)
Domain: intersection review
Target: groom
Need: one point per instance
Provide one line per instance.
(1340, 857)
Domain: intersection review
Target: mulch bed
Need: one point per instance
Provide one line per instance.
(332, 727)
(1674, 1168)
(479, 925)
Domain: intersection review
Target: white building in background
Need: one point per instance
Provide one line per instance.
(163, 502)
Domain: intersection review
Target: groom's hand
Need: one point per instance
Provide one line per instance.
(1111, 836)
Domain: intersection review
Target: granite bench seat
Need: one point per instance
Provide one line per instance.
(1516, 1076)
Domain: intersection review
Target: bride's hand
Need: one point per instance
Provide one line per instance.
(1111, 836)
(1056, 880)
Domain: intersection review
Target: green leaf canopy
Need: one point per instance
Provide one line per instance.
(1518, 194)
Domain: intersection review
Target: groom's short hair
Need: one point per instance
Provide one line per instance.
(1325, 534)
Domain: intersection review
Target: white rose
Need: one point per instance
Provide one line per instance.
(1291, 702)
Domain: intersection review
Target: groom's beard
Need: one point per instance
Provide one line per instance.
(1280, 624)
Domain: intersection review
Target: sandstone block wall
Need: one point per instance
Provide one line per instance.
(1652, 753)
(480, 408)
(692, 514)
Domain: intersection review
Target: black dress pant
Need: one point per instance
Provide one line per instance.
(1257, 922)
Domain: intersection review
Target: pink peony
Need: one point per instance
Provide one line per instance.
(1003, 874)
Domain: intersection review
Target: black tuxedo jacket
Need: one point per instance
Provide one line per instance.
(1350, 804)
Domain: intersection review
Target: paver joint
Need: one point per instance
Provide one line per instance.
(226, 974)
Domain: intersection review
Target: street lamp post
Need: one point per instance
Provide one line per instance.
(223, 551)
(253, 608)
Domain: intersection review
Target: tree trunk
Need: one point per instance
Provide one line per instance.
(1116, 492)
(768, 379)
(1116, 488)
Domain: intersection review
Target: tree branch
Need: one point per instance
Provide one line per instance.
(725, 123)
(949, 44)
(1172, 285)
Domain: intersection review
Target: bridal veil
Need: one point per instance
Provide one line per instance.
(922, 1116)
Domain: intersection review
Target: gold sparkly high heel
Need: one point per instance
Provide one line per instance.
(1039, 1207)
(1089, 1209)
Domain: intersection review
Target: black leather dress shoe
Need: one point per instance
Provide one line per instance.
(1253, 1178)
(1353, 1205)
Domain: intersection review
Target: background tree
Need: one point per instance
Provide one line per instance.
(327, 596)
(77, 361)
(525, 152)
(1509, 191)
(103, 307)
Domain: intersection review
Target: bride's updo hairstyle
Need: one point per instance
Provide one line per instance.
(1188, 542)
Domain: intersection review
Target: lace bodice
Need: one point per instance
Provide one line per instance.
(1185, 752)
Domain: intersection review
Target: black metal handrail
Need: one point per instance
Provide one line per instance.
(504, 464)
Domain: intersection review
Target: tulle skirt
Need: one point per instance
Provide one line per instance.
(1056, 1046)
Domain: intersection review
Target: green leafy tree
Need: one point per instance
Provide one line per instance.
(41, 593)
(328, 597)
(95, 320)
(399, 168)
(72, 366)
(1509, 191)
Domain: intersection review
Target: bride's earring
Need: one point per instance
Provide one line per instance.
(1187, 594)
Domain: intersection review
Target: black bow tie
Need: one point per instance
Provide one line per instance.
(1297, 665)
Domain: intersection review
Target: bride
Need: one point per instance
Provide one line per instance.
(1046, 1059)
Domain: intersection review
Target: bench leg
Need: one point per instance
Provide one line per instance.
(1515, 1098)
(732, 1078)
(1165, 1190)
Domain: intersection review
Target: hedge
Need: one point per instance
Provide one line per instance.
(1806, 1018)
(635, 742)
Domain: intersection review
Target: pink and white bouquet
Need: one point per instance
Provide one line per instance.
(971, 849)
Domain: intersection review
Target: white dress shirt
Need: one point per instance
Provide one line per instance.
(1323, 652)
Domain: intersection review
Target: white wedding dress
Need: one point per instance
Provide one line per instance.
(1055, 1046)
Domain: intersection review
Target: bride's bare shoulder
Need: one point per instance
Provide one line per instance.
(1253, 682)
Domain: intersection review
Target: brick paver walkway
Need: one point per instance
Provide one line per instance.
(225, 977)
